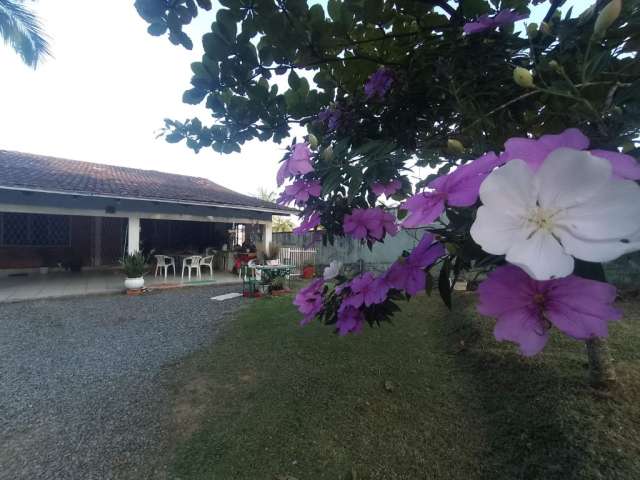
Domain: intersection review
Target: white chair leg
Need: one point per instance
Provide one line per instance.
(166, 269)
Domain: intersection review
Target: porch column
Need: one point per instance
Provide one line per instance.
(97, 241)
(133, 240)
(267, 237)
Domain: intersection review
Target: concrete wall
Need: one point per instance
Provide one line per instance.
(350, 251)
(624, 272)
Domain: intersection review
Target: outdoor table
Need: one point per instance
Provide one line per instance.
(269, 272)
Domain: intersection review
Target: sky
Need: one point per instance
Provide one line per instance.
(106, 91)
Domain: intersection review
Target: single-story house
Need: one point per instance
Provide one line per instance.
(55, 212)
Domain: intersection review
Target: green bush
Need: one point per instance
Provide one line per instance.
(134, 265)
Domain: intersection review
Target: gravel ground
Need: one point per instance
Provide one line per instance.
(83, 381)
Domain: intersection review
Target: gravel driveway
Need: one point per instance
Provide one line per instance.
(83, 381)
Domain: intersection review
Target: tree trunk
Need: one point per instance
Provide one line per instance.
(602, 373)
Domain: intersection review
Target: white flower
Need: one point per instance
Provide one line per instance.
(571, 207)
(332, 270)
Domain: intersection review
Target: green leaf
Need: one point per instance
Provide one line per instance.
(194, 96)
(227, 24)
(474, 8)
(294, 80)
(173, 137)
(200, 71)
(204, 4)
(215, 103)
(444, 282)
(156, 29)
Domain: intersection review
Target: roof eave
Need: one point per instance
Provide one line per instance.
(276, 211)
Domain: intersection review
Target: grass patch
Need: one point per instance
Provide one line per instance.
(431, 397)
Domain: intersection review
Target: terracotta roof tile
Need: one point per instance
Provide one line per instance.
(71, 176)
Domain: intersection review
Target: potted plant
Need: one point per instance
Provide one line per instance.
(272, 254)
(276, 287)
(308, 270)
(134, 266)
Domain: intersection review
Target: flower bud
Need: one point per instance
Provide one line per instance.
(455, 146)
(313, 141)
(628, 146)
(532, 30)
(327, 153)
(607, 16)
(523, 77)
(555, 66)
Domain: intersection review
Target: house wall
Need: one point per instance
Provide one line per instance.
(16, 257)
(103, 242)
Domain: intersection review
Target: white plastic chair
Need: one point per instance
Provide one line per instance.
(191, 263)
(207, 262)
(257, 274)
(163, 262)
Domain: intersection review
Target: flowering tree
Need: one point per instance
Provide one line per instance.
(526, 131)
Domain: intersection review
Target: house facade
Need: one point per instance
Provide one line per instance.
(58, 212)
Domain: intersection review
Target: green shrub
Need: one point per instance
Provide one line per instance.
(134, 265)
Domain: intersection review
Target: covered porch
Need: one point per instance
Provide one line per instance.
(55, 245)
(92, 282)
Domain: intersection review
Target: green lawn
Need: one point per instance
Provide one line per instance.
(432, 396)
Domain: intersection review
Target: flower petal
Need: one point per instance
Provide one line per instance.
(464, 193)
(611, 213)
(534, 152)
(570, 138)
(570, 177)
(581, 308)
(624, 166)
(496, 231)
(541, 256)
(595, 250)
(424, 208)
(524, 328)
(507, 288)
(509, 188)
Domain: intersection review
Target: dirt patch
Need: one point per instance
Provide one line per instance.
(190, 406)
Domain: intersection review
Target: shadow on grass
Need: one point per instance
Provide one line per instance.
(542, 419)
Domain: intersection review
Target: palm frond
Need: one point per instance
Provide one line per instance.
(21, 29)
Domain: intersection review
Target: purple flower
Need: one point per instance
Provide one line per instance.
(387, 189)
(534, 152)
(408, 273)
(332, 117)
(309, 222)
(369, 224)
(486, 22)
(298, 163)
(309, 300)
(458, 189)
(350, 320)
(379, 83)
(367, 289)
(300, 191)
(526, 308)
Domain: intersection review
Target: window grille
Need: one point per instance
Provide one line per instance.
(24, 229)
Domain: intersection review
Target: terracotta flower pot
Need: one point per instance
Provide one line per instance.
(309, 271)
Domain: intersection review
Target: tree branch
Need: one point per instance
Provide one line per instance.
(455, 15)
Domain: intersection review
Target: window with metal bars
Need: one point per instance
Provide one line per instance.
(27, 229)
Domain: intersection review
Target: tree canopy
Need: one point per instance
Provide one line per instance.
(382, 86)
